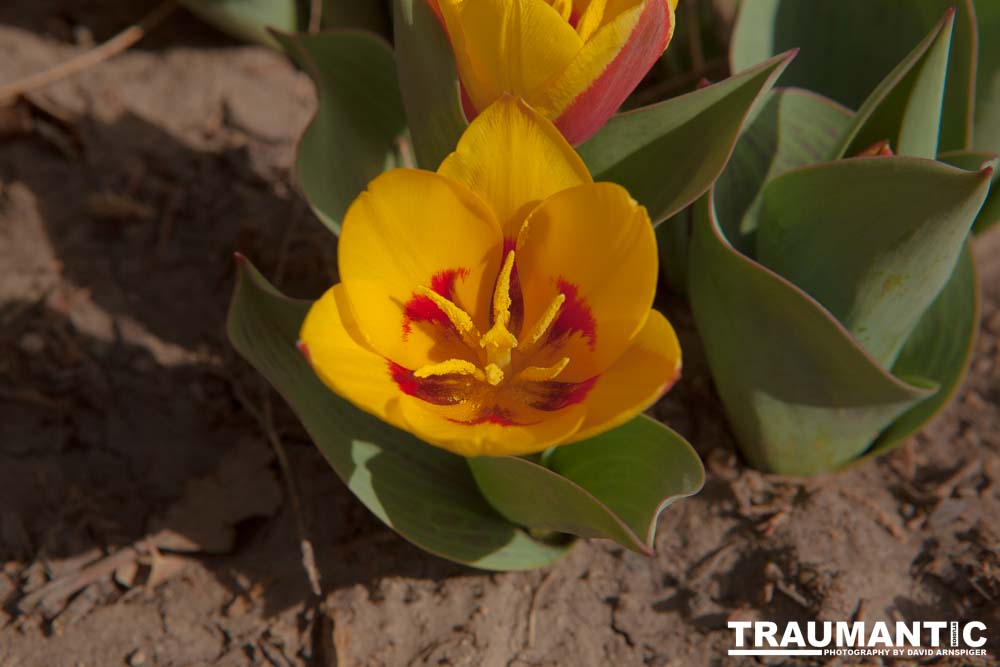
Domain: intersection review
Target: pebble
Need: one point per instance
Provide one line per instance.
(31, 343)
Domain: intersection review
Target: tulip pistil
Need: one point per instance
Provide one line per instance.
(499, 341)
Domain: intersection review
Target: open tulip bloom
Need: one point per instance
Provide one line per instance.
(575, 61)
(477, 377)
(500, 306)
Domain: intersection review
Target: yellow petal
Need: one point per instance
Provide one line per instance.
(594, 245)
(507, 46)
(410, 230)
(513, 158)
(591, 19)
(650, 365)
(528, 431)
(331, 341)
(605, 42)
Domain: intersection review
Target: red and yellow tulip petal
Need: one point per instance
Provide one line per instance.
(647, 369)
(465, 432)
(507, 46)
(594, 245)
(416, 229)
(514, 158)
(333, 344)
(608, 68)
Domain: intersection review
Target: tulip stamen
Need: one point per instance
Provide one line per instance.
(547, 318)
(450, 367)
(460, 319)
(543, 374)
(499, 341)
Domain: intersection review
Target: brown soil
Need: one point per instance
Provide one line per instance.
(144, 519)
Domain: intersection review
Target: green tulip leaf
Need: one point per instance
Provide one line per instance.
(849, 46)
(905, 108)
(974, 161)
(986, 135)
(801, 395)
(938, 350)
(249, 19)
(636, 470)
(429, 81)
(648, 151)
(425, 494)
(372, 15)
(360, 117)
(874, 240)
(612, 486)
(791, 128)
(794, 128)
(970, 160)
(990, 215)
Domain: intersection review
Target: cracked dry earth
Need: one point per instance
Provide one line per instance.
(144, 519)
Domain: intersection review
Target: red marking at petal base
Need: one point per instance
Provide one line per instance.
(421, 309)
(595, 105)
(551, 395)
(437, 390)
(575, 316)
(304, 349)
(403, 377)
(494, 415)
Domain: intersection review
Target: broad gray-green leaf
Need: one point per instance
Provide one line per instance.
(791, 128)
(352, 138)
(794, 128)
(429, 81)
(424, 493)
(872, 239)
(371, 15)
(989, 215)
(801, 395)
(938, 350)
(848, 46)
(668, 154)
(612, 486)
(986, 135)
(249, 19)
(636, 470)
(905, 108)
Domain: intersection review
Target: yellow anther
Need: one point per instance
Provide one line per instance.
(494, 374)
(501, 293)
(459, 318)
(542, 374)
(547, 318)
(499, 341)
(450, 367)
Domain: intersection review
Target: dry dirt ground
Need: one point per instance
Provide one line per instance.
(144, 518)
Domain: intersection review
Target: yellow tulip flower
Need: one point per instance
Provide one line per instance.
(499, 306)
(574, 60)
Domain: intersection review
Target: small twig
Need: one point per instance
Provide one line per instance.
(286, 242)
(533, 611)
(315, 15)
(63, 587)
(117, 44)
(266, 422)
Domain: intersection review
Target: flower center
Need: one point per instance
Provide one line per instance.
(498, 343)
(507, 374)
